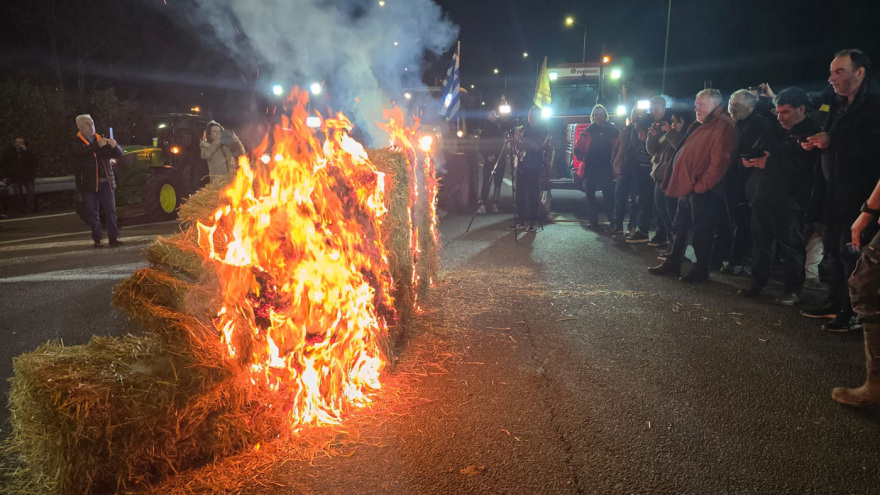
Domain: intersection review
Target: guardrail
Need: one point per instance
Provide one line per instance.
(46, 185)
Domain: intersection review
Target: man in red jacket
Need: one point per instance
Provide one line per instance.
(698, 171)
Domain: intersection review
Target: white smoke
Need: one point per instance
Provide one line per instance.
(359, 48)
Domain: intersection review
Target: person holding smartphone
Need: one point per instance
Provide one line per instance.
(221, 148)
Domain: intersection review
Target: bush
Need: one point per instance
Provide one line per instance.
(45, 117)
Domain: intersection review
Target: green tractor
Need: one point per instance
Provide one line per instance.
(162, 164)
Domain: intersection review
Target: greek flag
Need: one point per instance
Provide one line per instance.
(451, 89)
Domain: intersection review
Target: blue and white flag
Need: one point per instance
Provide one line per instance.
(451, 89)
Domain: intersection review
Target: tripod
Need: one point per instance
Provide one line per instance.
(508, 146)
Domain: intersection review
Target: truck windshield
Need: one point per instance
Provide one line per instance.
(574, 99)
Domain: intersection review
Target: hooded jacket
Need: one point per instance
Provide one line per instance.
(91, 162)
(704, 158)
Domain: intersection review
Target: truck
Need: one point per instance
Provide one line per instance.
(575, 89)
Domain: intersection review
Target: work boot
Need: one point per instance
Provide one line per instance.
(869, 393)
(665, 268)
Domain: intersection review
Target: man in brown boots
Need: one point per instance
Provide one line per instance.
(864, 290)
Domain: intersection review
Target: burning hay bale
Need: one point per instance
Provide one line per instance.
(276, 306)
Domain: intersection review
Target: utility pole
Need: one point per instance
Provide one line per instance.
(666, 49)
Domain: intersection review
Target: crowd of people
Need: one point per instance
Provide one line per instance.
(765, 179)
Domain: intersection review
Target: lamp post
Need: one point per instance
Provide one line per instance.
(569, 21)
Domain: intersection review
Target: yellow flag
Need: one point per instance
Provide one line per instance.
(542, 87)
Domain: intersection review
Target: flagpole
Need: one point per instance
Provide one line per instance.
(460, 113)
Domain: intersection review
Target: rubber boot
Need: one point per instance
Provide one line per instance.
(869, 393)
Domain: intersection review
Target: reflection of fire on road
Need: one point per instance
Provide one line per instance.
(271, 310)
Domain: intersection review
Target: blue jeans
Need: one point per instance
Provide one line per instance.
(107, 200)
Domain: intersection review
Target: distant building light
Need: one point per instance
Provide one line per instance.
(621, 110)
(615, 73)
(525, 54)
(460, 133)
(554, 76)
(495, 71)
(504, 109)
(408, 96)
(277, 90)
(315, 88)
(472, 86)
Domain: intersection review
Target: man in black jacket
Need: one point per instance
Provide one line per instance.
(850, 144)
(528, 171)
(779, 188)
(94, 176)
(20, 167)
(753, 131)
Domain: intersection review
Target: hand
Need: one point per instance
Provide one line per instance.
(758, 162)
(821, 141)
(111, 142)
(102, 142)
(746, 163)
(653, 131)
(765, 90)
(664, 126)
(858, 227)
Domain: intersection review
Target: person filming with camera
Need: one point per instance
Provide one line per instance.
(221, 148)
(533, 141)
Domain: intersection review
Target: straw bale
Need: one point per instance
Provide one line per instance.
(119, 413)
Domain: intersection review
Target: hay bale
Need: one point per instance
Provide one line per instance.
(117, 414)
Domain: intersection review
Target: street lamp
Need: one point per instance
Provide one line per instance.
(615, 74)
(525, 54)
(569, 22)
(277, 90)
(315, 88)
(495, 71)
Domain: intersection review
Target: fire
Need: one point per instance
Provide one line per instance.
(305, 284)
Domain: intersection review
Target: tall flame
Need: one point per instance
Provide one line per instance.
(304, 276)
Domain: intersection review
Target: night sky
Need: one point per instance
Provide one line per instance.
(732, 43)
(146, 51)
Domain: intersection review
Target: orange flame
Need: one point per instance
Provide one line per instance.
(305, 285)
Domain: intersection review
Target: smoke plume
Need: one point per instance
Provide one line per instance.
(363, 51)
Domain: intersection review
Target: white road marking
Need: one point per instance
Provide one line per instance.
(10, 220)
(64, 244)
(87, 233)
(112, 272)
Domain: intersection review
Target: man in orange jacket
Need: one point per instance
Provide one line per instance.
(697, 180)
(94, 177)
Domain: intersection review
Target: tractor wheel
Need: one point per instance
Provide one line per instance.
(162, 195)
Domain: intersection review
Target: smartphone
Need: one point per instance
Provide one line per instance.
(226, 136)
(752, 154)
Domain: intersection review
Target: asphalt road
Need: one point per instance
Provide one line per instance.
(554, 364)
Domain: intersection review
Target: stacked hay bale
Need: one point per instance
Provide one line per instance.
(119, 413)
